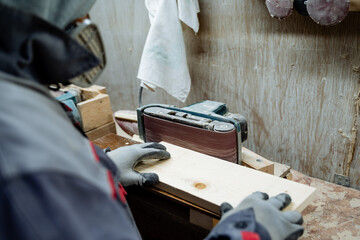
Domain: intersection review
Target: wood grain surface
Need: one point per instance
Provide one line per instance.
(296, 82)
(95, 112)
(207, 181)
(101, 131)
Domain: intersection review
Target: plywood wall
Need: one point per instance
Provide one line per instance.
(295, 82)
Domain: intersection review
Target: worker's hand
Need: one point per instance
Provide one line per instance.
(126, 158)
(259, 214)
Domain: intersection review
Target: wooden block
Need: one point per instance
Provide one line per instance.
(255, 161)
(207, 181)
(70, 86)
(101, 131)
(91, 92)
(86, 93)
(281, 170)
(95, 112)
(126, 115)
(289, 176)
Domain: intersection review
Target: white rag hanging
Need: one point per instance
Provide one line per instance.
(163, 62)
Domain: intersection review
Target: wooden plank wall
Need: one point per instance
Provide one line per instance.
(295, 82)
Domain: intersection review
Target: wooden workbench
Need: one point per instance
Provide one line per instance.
(334, 214)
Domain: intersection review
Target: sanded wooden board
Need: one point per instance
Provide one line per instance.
(207, 181)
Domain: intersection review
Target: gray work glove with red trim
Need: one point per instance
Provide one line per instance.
(260, 215)
(126, 158)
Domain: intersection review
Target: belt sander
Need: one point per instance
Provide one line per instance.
(205, 127)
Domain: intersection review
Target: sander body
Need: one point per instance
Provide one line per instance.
(206, 127)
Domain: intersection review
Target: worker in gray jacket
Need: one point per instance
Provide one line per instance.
(56, 184)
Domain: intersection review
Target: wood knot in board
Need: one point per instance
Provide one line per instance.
(200, 185)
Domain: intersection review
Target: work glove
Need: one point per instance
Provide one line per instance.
(126, 158)
(261, 215)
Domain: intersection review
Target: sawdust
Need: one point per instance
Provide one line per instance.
(329, 224)
(346, 235)
(336, 195)
(354, 203)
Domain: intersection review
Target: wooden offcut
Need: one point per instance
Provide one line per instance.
(86, 93)
(255, 161)
(91, 92)
(126, 115)
(281, 170)
(95, 112)
(207, 181)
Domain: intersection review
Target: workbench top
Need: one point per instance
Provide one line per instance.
(334, 213)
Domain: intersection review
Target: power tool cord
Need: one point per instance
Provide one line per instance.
(140, 96)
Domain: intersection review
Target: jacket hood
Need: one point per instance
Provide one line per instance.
(57, 12)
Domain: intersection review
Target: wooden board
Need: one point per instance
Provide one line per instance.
(113, 141)
(207, 181)
(95, 112)
(101, 131)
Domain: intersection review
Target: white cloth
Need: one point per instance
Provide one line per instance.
(188, 10)
(163, 62)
